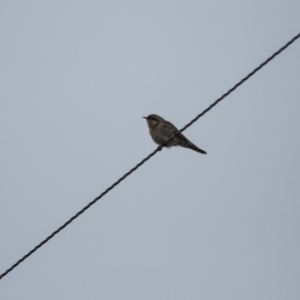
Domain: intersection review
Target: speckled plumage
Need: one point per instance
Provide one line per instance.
(161, 130)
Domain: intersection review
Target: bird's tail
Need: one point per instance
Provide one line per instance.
(184, 142)
(195, 148)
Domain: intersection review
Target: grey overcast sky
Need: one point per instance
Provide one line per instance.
(76, 79)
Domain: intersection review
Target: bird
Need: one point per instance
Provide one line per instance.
(162, 130)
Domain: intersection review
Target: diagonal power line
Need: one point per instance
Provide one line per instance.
(148, 157)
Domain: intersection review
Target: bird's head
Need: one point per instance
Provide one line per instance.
(153, 120)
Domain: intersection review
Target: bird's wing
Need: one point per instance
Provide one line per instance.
(169, 131)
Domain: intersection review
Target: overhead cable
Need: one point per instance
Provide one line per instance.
(148, 157)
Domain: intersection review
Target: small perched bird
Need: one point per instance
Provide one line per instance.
(161, 130)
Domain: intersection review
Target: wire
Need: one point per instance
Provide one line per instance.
(148, 157)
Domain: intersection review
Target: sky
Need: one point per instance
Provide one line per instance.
(76, 79)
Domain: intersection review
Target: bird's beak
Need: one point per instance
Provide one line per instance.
(145, 118)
